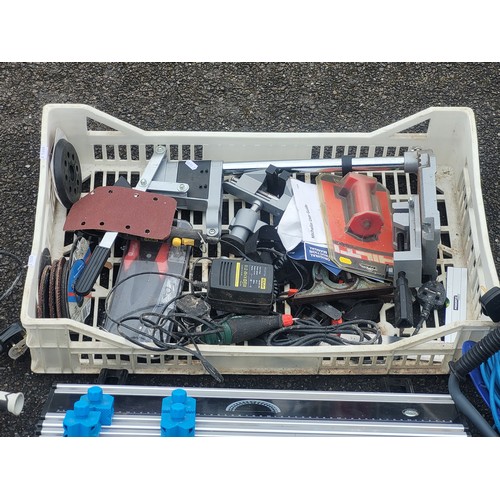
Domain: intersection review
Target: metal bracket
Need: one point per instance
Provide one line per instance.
(407, 241)
(429, 213)
(151, 168)
(195, 186)
(252, 187)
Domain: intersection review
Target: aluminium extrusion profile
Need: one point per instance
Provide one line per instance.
(252, 412)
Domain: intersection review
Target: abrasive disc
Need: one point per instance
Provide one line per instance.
(42, 308)
(67, 173)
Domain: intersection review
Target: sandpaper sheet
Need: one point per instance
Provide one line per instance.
(124, 210)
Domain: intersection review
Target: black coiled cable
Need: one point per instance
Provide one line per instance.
(305, 333)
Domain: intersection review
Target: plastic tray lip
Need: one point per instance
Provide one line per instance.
(390, 135)
(424, 342)
(393, 131)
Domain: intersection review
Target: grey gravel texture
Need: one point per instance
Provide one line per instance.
(258, 97)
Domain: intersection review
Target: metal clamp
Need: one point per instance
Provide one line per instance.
(259, 186)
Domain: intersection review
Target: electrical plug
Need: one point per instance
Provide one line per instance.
(13, 340)
(431, 295)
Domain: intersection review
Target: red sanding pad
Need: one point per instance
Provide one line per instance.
(124, 210)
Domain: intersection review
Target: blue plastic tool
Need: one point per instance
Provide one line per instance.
(178, 415)
(103, 403)
(81, 421)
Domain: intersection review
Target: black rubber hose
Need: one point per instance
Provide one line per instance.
(468, 409)
(479, 353)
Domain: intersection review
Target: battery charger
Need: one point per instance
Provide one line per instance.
(240, 286)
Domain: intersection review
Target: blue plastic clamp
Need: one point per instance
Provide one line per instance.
(81, 421)
(178, 415)
(103, 403)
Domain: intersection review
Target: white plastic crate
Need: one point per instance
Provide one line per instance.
(108, 147)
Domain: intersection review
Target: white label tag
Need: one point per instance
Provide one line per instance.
(31, 260)
(191, 164)
(44, 152)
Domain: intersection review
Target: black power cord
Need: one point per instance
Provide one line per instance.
(311, 332)
(21, 267)
(156, 322)
(13, 334)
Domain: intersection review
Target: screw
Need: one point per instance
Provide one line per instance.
(257, 205)
(410, 412)
(142, 182)
(212, 231)
(182, 187)
(160, 149)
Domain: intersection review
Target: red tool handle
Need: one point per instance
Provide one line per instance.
(162, 257)
(132, 254)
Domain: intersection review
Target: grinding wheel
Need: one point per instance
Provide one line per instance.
(59, 290)
(52, 290)
(67, 173)
(42, 308)
(64, 290)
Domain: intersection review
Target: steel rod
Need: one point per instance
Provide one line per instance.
(319, 165)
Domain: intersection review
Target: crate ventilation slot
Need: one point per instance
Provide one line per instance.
(95, 126)
(419, 128)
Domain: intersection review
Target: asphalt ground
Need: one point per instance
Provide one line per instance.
(258, 97)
